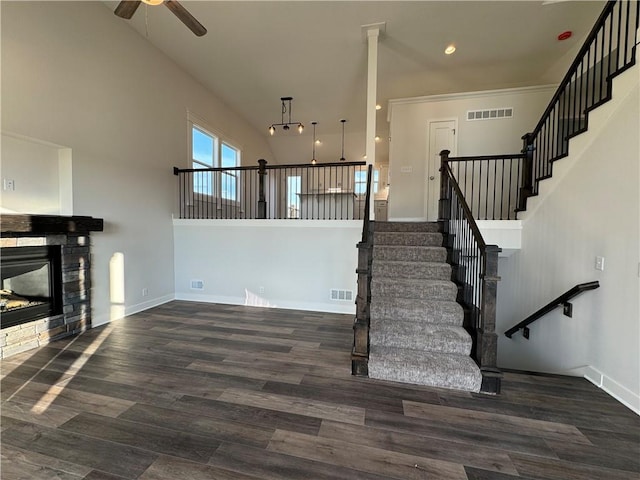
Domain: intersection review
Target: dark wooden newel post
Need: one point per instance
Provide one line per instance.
(262, 202)
(443, 202)
(487, 339)
(526, 188)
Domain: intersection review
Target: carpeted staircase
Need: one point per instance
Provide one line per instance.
(416, 333)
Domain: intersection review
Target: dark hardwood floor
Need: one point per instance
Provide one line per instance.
(191, 391)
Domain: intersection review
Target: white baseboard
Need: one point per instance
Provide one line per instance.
(119, 312)
(625, 396)
(348, 308)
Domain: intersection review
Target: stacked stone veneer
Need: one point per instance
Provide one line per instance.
(76, 295)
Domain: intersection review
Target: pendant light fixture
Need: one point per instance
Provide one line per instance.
(313, 155)
(342, 159)
(286, 108)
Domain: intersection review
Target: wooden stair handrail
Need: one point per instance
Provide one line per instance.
(561, 300)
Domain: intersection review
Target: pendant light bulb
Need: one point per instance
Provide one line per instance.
(313, 147)
(300, 128)
(272, 130)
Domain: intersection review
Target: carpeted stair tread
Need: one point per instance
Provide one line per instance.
(426, 336)
(407, 227)
(399, 269)
(443, 370)
(416, 310)
(430, 239)
(413, 288)
(409, 253)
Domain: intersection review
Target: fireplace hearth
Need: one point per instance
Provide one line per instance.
(45, 268)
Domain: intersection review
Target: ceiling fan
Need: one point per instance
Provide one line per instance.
(127, 8)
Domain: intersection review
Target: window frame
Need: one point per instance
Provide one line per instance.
(375, 181)
(220, 141)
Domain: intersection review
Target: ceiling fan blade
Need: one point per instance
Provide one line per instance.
(127, 8)
(185, 17)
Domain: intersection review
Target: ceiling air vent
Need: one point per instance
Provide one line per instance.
(341, 295)
(490, 114)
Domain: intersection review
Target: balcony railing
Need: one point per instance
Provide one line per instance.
(489, 184)
(609, 50)
(327, 191)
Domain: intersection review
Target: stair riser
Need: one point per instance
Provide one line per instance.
(415, 315)
(424, 368)
(408, 238)
(409, 254)
(420, 341)
(407, 227)
(420, 291)
(435, 271)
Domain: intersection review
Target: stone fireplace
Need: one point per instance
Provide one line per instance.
(46, 279)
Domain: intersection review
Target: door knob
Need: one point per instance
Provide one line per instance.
(432, 177)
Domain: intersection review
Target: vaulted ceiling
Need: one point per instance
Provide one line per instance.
(258, 51)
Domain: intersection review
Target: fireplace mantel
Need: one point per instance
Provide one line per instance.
(16, 225)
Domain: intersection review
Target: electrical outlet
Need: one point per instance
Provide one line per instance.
(600, 263)
(261, 289)
(145, 292)
(9, 184)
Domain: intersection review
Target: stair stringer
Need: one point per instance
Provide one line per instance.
(622, 87)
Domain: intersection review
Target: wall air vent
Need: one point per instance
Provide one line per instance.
(197, 285)
(339, 295)
(490, 114)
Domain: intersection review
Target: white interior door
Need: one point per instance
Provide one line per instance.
(442, 136)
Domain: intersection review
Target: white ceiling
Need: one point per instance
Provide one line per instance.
(258, 51)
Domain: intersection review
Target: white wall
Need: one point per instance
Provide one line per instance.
(74, 74)
(591, 208)
(296, 261)
(409, 127)
(40, 175)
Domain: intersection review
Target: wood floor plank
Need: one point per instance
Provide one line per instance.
(246, 371)
(548, 469)
(335, 395)
(270, 465)
(171, 468)
(188, 445)
(285, 403)
(440, 428)
(271, 419)
(509, 423)
(367, 459)
(52, 416)
(80, 449)
(19, 463)
(205, 426)
(471, 455)
(39, 397)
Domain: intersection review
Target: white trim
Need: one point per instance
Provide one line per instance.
(281, 223)
(408, 219)
(625, 396)
(467, 95)
(285, 304)
(132, 310)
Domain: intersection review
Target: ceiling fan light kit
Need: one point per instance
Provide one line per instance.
(127, 8)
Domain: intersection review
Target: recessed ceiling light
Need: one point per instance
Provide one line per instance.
(449, 50)
(378, 107)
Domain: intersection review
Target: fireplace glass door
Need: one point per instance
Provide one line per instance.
(31, 284)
